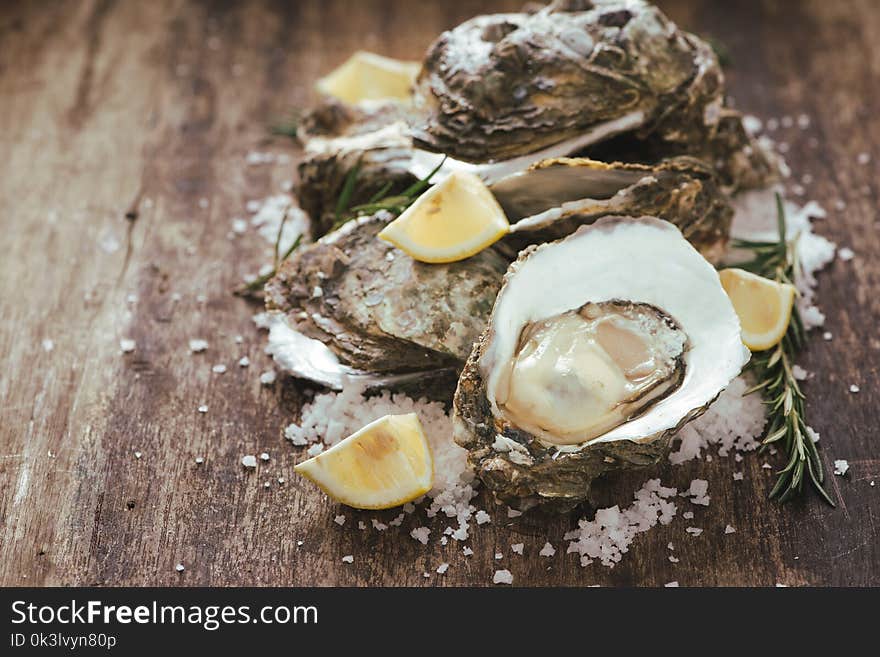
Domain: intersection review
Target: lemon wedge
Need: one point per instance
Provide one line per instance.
(451, 221)
(385, 464)
(763, 306)
(367, 76)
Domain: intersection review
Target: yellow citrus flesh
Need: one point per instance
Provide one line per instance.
(763, 306)
(367, 76)
(385, 464)
(451, 221)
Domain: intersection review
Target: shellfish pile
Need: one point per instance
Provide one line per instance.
(597, 327)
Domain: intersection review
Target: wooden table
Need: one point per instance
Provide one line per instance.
(124, 128)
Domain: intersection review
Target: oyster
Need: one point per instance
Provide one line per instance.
(599, 348)
(337, 138)
(377, 309)
(554, 197)
(503, 91)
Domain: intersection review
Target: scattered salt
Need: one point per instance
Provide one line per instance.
(197, 345)
(846, 254)
(513, 513)
(249, 461)
(315, 449)
(498, 556)
(442, 568)
(137, 455)
(799, 372)
(48, 345)
(482, 517)
(608, 536)
(199, 460)
(729, 530)
(179, 568)
(421, 534)
(267, 378)
(737, 476)
(698, 492)
(517, 548)
(853, 388)
(671, 585)
(840, 467)
(502, 577)
(127, 345)
(693, 531)
(863, 158)
(466, 551)
(339, 520)
(827, 336)
(244, 361)
(264, 456)
(547, 551)
(203, 409)
(218, 369)
(348, 558)
(673, 559)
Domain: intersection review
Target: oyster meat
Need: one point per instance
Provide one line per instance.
(599, 348)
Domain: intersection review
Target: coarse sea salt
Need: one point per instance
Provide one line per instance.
(198, 345)
(547, 551)
(502, 577)
(840, 467)
(608, 536)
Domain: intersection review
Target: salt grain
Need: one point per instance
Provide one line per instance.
(315, 449)
(137, 455)
(466, 551)
(48, 345)
(127, 346)
(729, 530)
(442, 568)
(339, 520)
(249, 461)
(863, 158)
(673, 559)
(853, 388)
(693, 531)
(218, 369)
(244, 361)
(547, 551)
(846, 254)
(203, 409)
(179, 568)
(198, 345)
(517, 548)
(737, 476)
(840, 467)
(502, 577)
(827, 336)
(348, 558)
(421, 534)
(199, 460)
(671, 585)
(268, 377)
(482, 517)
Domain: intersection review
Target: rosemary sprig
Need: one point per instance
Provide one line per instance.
(773, 371)
(395, 204)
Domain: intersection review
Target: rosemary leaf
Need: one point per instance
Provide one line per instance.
(773, 370)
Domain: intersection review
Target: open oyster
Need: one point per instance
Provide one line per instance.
(377, 309)
(503, 91)
(599, 348)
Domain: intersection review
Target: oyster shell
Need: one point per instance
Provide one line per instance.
(638, 268)
(377, 309)
(337, 138)
(554, 197)
(503, 91)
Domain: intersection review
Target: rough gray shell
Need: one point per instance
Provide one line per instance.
(378, 309)
(504, 85)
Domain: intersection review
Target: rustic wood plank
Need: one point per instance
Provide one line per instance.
(109, 106)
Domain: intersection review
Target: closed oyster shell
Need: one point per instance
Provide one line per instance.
(502, 86)
(378, 309)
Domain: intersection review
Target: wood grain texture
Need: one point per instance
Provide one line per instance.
(108, 108)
